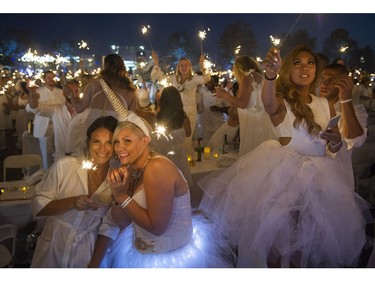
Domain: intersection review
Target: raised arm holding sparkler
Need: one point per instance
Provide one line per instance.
(186, 83)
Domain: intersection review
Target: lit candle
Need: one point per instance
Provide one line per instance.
(206, 152)
(23, 188)
(215, 154)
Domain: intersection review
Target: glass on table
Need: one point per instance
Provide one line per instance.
(190, 158)
(215, 154)
(26, 173)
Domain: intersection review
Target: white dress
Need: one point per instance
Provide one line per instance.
(255, 124)
(174, 149)
(68, 239)
(289, 204)
(190, 241)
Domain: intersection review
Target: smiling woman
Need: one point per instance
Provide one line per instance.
(74, 200)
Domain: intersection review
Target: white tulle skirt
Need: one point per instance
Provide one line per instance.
(278, 206)
(206, 249)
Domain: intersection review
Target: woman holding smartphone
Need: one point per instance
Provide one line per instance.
(287, 203)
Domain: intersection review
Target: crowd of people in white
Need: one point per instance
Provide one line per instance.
(278, 205)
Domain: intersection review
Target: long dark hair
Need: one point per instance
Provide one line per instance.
(114, 72)
(171, 113)
(107, 122)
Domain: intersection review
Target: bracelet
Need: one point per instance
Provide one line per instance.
(345, 101)
(126, 202)
(335, 145)
(269, 79)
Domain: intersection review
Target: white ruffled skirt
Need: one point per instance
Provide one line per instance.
(278, 206)
(206, 249)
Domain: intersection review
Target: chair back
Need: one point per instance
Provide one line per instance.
(7, 231)
(21, 161)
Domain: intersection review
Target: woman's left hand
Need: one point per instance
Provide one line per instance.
(331, 135)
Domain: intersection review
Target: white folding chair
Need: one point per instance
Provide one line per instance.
(7, 231)
(22, 161)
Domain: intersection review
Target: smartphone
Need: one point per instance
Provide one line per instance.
(334, 121)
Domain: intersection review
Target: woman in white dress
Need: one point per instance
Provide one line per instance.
(115, 75)
(286, 203)
(74, 199)
(254, 123)
(186, 83)
(172, 117)
(153, 211)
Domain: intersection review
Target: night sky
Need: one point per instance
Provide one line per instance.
(104, 29)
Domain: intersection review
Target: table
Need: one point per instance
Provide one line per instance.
(15, 203)
(204, 168)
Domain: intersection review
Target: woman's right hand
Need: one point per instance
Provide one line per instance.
(119, 181)
(272, 62)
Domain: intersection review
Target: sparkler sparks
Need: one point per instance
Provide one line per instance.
(202, 36)
(145, 30)
(160, 131)
(275, 41)
(88, 165)
(83, 45)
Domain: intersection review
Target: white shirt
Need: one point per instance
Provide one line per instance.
(46, 97)
(344, 155)
(60, 117)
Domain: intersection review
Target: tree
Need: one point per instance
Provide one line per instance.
(15, 42)
(339, 44)
(180, 46)
(64, 48)
(364, 59)
(234, 35)
(299, 37)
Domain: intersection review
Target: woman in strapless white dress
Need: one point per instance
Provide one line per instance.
(154, 217)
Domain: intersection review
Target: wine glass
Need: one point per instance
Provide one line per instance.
(26, 173)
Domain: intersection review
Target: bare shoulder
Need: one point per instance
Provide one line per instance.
(160, 162)
(160, 169)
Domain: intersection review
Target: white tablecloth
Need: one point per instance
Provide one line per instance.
(198, 171)
(15, 202)
(205, 167)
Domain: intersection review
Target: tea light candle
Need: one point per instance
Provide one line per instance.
(207, 152)
(190, 161)
(23, 188)
(215, 154)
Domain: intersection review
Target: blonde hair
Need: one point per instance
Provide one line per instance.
(133, 128)
(288, 90)
(242, 65)
(178, 74)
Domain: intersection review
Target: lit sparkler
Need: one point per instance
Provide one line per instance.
(160, 130)
(83, 45)
(275, 41)
(88, 165)
(145, 29)
(343, 49)
(202, 36)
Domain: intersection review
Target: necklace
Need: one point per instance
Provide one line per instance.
(136, 175)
